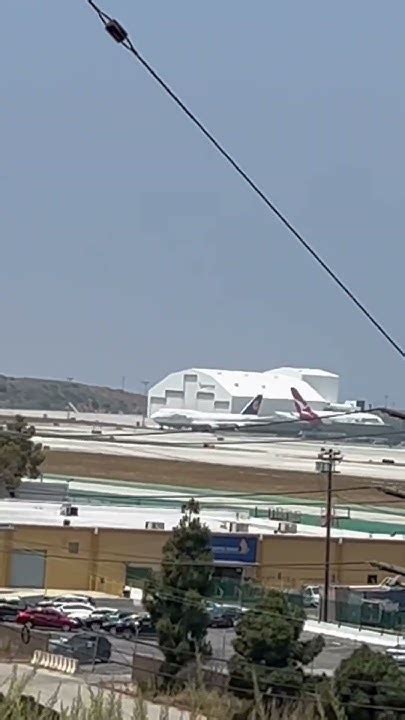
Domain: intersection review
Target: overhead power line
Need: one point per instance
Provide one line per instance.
(31, 548)
(120, 35)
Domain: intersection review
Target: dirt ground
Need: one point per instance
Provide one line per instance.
(217, 477)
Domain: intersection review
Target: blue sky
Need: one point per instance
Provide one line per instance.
(130, 248)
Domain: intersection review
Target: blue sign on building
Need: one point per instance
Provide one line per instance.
(229, 548)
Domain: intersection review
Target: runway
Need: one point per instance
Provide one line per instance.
(358, 460)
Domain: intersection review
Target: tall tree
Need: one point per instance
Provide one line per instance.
(370, 686)
(19, 455)
(176, 596)
(269, 654)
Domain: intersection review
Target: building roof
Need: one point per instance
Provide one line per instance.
(16, 512)
(271, 384)
(302, 371)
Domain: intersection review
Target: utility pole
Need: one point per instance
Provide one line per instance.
(326, 464)
(145, 384)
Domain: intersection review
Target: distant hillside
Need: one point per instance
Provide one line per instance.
(36, 394)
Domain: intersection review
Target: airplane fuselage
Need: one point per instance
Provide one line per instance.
(193, 419)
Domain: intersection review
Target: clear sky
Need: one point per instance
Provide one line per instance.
(130, 248)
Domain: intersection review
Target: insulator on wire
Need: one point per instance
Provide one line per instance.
(116, 31)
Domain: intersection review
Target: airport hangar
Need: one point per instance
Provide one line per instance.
(230, 390)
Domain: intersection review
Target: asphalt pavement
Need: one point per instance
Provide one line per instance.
(334, 652)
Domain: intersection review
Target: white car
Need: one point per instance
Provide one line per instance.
(397, 654)
(78, 611)
(312, 596)
(105, 611)
(65, 600)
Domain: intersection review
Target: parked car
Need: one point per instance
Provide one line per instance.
(312, 596)
(221, 621)
(47, 617)
(11, 599)
(99, 616)
(79, 611)
(110, 623)
(233, 611)
(135, 625)
(224, 617)
(65, 600)
(397, 653)
(85, 647)
(10, 610)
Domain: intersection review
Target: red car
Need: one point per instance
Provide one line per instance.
(47, 617)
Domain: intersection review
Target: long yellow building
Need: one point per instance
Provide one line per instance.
(87, 555)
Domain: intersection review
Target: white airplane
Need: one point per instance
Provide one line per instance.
(207, 421)
(351, 421)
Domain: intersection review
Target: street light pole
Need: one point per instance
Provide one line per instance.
(327, 460)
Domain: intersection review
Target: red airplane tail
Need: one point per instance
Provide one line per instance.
(304, 411)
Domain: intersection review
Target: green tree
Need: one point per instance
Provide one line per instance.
(19, 425)
(176, 596)
(19, 455)
(370, 686)
(269, 655)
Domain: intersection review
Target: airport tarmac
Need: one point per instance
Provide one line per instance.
(369, 461)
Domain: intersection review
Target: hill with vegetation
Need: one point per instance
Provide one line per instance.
(38, 394)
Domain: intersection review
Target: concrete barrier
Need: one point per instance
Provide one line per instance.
(51, 661)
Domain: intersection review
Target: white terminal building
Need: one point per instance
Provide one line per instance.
(230, 390)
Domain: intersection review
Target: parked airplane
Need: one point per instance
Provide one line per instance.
(203, 421)
(351, 421)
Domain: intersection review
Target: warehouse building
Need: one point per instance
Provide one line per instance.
(230, 390)
(105, 549)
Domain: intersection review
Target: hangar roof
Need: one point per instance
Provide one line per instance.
(302, 371)
(271, 384)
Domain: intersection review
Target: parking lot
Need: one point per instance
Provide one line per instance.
(122, 650)
(221, 641)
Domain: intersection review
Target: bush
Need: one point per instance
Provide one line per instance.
(269, 651)
(370, 686)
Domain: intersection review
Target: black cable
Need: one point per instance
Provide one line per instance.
(136, 438)
(121, 36)
(102, 15)
(117, 558)
(264, 497)
(342, 435)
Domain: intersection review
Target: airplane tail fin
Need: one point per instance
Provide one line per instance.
(253, 406)
(303, 409)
